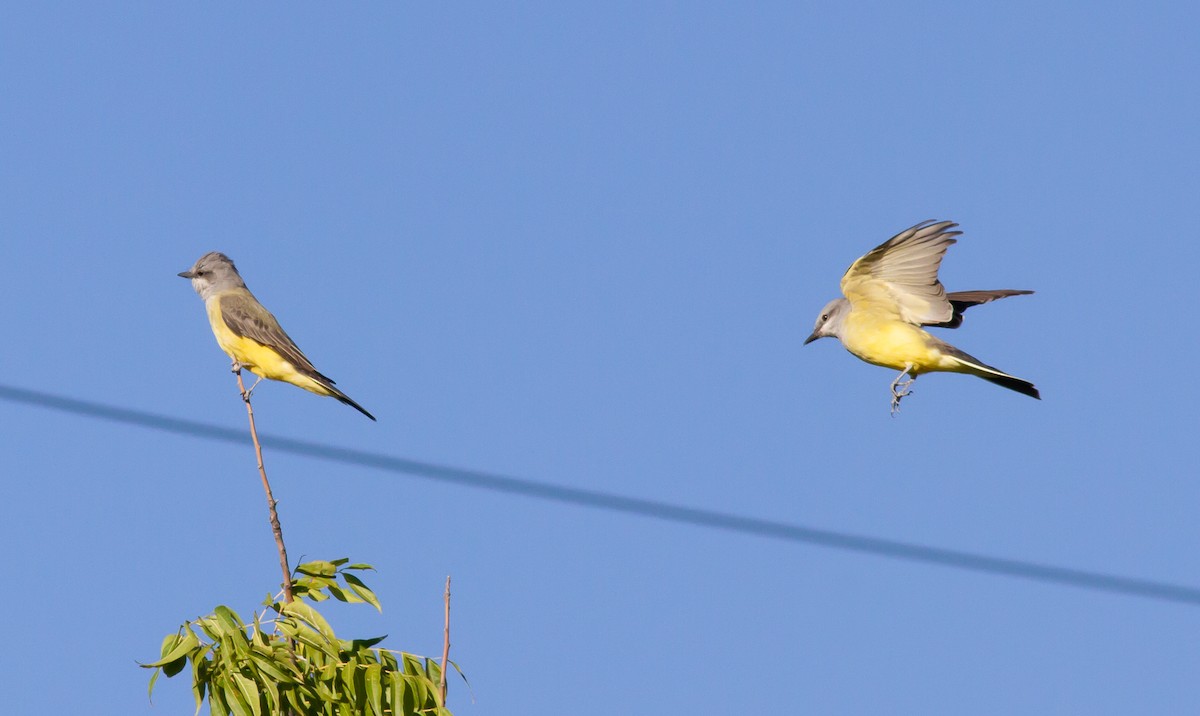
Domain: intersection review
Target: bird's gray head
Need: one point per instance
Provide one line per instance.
(829, 323)
(212, 273)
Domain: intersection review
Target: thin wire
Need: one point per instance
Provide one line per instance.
(1096, 581)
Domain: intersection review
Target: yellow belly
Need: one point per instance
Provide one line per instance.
(261, 360)
(891, 343)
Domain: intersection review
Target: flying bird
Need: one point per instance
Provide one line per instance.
(890, 293)
(250, 334)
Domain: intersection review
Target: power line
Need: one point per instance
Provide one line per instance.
(712, 519)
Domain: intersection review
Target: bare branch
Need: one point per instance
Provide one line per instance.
(445, 644)
(283, 560)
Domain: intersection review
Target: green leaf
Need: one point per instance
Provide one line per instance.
(236, 700)
(200, 676)
(361, 590)
(412, 664)
(150, 690)
(271, 696)
(306, 637)
(461, 675)
(170, 641)
(312, 616)
(258, 637)
(217, 703)
(175, 666)
(347, 674)
(400, 697)
(315, 595)
(210, 626)
(228, 619)
(361, 644)
(265, 662)
(290, 626)
(418, 690)
(298, 703)
(342, 595)
(284, 655)
(433, 670)
(361, 566)
(388, 660)
(202, 665)
(198, 692)
(325, 692)
(249, 690)
(313, 583)
(318, 568)
(175, 647)
(374, 689)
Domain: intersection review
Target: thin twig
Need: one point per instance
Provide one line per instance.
(283, 560)
(445, 644)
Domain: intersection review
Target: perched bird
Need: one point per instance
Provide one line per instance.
(894, 290)
(250, 334)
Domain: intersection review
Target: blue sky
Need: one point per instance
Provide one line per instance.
(581, 246)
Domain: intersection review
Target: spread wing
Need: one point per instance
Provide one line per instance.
(246, 317)
(899, 279)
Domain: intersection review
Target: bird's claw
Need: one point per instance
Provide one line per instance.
(246, 395)
(901, 389)
(898, 395)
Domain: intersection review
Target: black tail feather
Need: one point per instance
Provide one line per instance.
(987, 372)
(346, 399)
(1021, 386)
(327, 383)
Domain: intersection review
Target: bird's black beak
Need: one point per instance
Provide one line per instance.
(811, 338)
(186, 274)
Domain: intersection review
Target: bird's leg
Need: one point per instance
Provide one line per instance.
(258, 379)
(237, 369)
(901, 389)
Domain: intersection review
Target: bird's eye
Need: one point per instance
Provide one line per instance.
(825, 317)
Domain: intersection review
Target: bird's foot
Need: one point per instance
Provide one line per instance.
(901, 388)
(246, 395)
